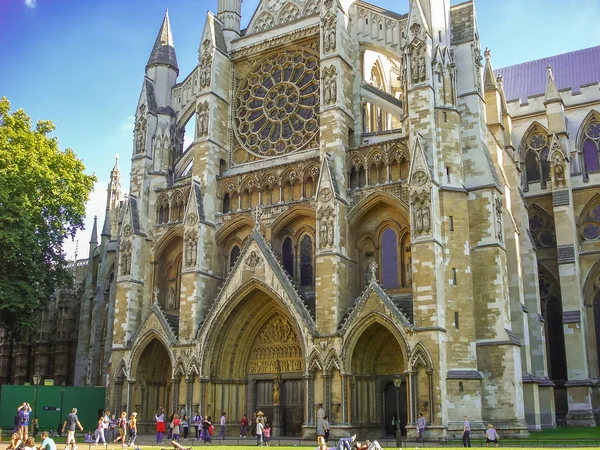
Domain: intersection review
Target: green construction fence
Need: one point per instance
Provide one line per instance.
(51, 404)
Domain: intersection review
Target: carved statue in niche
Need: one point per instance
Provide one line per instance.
(499, 224)
(414, 68)
(171, 299)
(277, 382)
(126, 258)
(191, 249)
(559, 171)
(421, 62)
(408, 271)
(330, 227)
(418, 219)
(422, 214)
(323, 231)
(202, 120)
(140, 135)
(205, 65)
(329, 85)
(326, 226)
(329, 34)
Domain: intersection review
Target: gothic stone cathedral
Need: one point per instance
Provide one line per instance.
(369, 218)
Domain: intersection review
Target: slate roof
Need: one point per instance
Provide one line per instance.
(163, 51)
(571, 70)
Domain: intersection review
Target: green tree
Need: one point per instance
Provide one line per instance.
(43, 191)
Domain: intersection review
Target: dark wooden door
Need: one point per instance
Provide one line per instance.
(264, 398)
(292, 407)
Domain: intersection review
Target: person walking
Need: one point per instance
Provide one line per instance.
(132, 429)
(223, 423)
(421, 424)
(122, 427)
(170, 430)
(491, 436)
(206, 425)
(244, 426)
(100, 431)
(198, 424)
(160, 425)
(112, 428)
(326, 428)
(36, 426)
(71, 422)
(106, 425)
(466, 437)
(267, 434)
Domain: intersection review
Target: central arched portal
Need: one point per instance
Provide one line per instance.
(258, 364)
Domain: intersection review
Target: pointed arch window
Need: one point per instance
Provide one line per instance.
(306, 261)
(591, 146)
(591, 222)
(555, 339)
(536, 151)
(389, 259)
(287, 256)
(226, 204)
(233, 256)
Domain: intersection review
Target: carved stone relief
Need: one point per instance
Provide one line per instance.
(125, 266)
(418, 70)
(202, 119)
(326, 219)
(141, 126)
(252, 261)
(329, 33)
(205, 65)
(421, 207)
(329, 79)
(191, 248)
(499, 222)
(276, 349)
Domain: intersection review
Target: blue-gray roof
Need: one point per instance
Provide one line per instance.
(571, 70)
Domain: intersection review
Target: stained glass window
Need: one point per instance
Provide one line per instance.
(591, 146)
(277, 104)
(536, 150)
(389, 259)
(591, 223)
(287, 256)
(541, 226)
(306, 261)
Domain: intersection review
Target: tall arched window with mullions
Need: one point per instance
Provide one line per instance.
(287, 256)
(389, 259)
(535, 151)
(306, 261)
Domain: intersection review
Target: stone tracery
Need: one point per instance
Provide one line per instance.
(277, 104)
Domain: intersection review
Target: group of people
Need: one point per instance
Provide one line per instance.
(491, 435)
(16, 443)
(175, 426)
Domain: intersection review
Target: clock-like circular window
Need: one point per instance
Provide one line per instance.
(276, 107)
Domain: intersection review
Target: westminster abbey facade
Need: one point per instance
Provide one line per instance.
(370, 219)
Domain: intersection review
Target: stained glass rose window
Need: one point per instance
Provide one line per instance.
(276, 107)
(591, 223)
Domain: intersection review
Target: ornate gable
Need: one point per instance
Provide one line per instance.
(271, 13)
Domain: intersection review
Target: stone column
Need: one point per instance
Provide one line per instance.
(118, 387)
(202, 399)
(345, 399)
(189, 394)
(175, 382)
(326, 392)
(130, 392)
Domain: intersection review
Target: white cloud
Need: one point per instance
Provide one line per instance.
(96, 206)
(31, 3)
(128, 124)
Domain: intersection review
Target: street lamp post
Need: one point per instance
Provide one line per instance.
(36, 382)
(398, 385)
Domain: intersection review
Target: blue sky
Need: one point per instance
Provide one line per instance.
(80, 63)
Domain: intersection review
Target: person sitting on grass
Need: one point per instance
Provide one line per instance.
(47, 442)
(346, 443)
(491, 436)
(29, 444)
(178, 446)
(368, 445)
(15, 442)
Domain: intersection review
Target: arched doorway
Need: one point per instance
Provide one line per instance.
(152, 388)
(257, 364)
(379, 389)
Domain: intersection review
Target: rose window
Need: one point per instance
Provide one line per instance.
(277, 105)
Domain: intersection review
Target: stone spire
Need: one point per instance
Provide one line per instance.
(163, 51)
(113, 197)
(94, 236)
(552, 94)
(489, 80)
